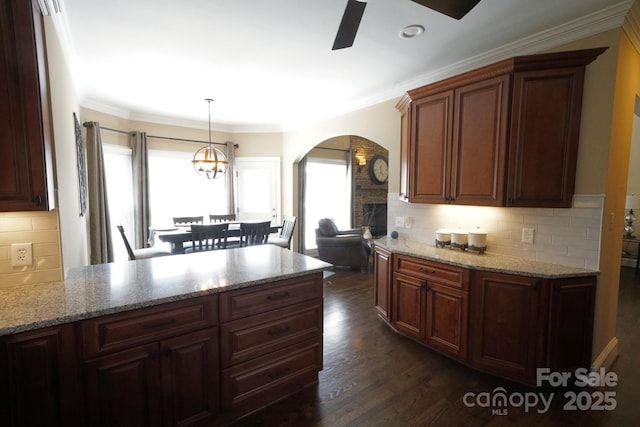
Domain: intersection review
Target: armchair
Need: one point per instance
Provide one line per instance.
(341, 247)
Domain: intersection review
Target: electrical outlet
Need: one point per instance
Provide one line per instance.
(399, 221)
(527, 235)
(21, 254)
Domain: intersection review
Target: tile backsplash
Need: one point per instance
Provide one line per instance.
(43, 231)
(568, 236)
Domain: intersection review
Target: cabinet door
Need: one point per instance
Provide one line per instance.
(42, 368)
(479, 143)
(430, 148)
(190, 378)
(408, 304)
(382, 283)
(124, 388)
(447, 319)
(571, 308)
(25, 164)
(505, 324)
(545, 127)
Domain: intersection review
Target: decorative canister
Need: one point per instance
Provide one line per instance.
(443, 237)
(478, 239)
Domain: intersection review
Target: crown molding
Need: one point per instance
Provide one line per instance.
(603, 20)
(631, 25)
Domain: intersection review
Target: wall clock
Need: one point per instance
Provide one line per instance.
(379, 169)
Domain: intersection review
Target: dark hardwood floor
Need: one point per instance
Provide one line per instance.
(375, 377)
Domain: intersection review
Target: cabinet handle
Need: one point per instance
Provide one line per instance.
(280, 295)
(159, 323)
(279, 331)
(154, 355)
(424, 270)
(38, 200)
(423, 285)
(278, 374)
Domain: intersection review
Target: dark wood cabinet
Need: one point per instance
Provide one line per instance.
(383, 277)
(206, 360)
(39, 385)
(571, 307)
(173, 382)
(26, 167)
(153, 366)
(430, 303)
(408, 305)
(271, 342)
(447, 322)
(503, 135)
(506, 324)
(124, 388)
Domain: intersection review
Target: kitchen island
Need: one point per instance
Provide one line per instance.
(189, 339)
(502, 315)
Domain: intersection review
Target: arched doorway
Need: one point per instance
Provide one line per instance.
(337, 180)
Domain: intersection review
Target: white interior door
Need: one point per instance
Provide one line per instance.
(258, 189)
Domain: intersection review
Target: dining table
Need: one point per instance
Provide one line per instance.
(177, 236)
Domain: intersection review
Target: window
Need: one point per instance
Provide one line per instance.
(327, 195)
(118, 174)
(175, 189)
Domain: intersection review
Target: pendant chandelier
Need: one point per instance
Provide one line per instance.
(210, 162)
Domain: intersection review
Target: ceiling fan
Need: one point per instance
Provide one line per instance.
(355, 9)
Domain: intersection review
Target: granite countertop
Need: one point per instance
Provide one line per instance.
(488, 261)
(98, 290)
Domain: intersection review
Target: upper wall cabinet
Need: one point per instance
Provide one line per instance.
(502, 135)
(26, 168)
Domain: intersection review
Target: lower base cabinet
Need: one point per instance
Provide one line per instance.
(39, 386)
(507, 325)
(173, 382)
(201, 361)
(504, 324)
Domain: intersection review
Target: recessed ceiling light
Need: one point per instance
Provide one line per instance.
(411, 31)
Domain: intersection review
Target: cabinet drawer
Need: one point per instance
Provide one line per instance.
(246, 302)
(260, 381)
(255, 336)
(424, 269)
(147, 324)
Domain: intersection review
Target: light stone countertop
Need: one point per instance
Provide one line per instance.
(487, 261)
(98, 290)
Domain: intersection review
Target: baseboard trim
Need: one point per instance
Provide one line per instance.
(608, 355)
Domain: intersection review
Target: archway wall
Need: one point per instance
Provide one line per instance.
(379, 123)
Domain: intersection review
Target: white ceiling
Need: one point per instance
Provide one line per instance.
(269, 65)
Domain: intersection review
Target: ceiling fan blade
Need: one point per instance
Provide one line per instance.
(349, 24)
(453, 8)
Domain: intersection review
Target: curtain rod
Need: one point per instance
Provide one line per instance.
(89, 124)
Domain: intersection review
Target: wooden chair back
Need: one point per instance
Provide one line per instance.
(286, 232)
(187, 220)
(254, 233)
(221, 218)
(208, 237)
(132, 256)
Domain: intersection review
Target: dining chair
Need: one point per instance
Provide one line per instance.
(187, 220)
(208, 237)
(143, 253)
(283, 237)
(254, 233)
(221, 218)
